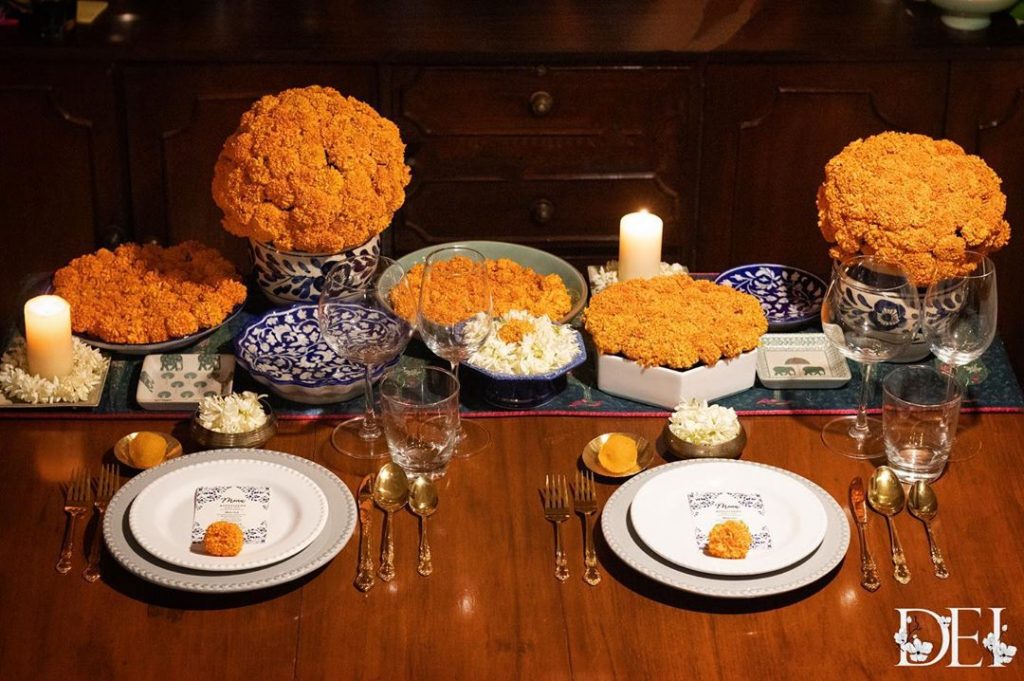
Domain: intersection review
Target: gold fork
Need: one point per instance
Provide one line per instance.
(76, 504)
(556, 509)
(585, 501)
(105, 488)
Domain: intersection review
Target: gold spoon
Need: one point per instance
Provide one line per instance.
(885, 495)
(924, 505)
(390, 492)
(423, 502)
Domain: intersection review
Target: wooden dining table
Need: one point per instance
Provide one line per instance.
(493, 608)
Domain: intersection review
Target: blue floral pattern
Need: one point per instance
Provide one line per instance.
(288, 277)
(887, 314)
(788, 296)
(285, 346)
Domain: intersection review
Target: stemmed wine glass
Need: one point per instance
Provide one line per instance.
(454, 318)
(960, 324)
(358, 323)
(869, 313)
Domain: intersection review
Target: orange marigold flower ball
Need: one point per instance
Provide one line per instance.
(311, 170)
(223, 539)
(914, 200)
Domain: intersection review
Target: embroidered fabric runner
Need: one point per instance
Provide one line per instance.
(994, 388)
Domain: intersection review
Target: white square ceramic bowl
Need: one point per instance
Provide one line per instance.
(668, 387)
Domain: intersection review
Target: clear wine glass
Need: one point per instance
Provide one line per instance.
(870, 312)
(358, 323)
(959, 322)
(454, 319)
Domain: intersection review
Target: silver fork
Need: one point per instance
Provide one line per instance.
(556, 509)
(585, 500)
(76, 504)
(105, 488)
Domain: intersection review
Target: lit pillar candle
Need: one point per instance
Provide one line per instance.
(639, 246)
(48, 336)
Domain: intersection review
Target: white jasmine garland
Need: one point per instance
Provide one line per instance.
(236, 413)
(18, 385)
(696, 422)
(547, 348)
(603, 276)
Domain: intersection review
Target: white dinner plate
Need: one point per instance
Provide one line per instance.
(673, 512)
(161, 516)
(341, 523)
(624, 542)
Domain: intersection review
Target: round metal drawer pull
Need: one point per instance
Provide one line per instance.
(542, 211)
(541, 103)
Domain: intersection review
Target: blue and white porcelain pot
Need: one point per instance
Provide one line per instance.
(887, 312)
(288, 277)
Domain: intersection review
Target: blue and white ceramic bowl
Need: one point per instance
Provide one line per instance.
(289, 277)
(790, 297)
(509, 391)
(284, 351)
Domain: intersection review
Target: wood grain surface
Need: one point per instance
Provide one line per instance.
(492, 608)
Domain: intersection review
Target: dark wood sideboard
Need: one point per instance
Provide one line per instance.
(540, 123)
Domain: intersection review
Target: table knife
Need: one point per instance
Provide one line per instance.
(868, 570)
(364, 577)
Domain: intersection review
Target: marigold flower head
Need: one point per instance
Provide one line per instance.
(913, 200)
(311, 170)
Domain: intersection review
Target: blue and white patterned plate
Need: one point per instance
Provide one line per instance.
(790, 297)
(284, 351)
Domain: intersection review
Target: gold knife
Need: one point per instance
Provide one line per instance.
(868, 570)
(364, 578)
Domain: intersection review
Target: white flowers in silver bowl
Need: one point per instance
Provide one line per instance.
(234, 413)
(697, 422)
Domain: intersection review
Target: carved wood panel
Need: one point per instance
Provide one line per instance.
(178, 119)
(768, 132)
(59, 169)
(986, 117)
(547, 156)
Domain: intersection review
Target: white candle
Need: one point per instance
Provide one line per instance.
(48, 336)
(639, 246)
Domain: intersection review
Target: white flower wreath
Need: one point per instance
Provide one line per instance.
(17, 384)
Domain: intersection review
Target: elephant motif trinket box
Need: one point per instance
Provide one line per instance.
(177, 382)
(797, 361)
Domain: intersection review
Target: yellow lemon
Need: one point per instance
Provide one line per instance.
(147, 449)
(617, 454)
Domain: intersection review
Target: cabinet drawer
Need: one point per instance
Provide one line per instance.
(564, 217)
(516, 101)
(526, 123)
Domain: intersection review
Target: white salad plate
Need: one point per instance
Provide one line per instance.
(341, 523)
(161, 516)
(625, 542)
(674, 512)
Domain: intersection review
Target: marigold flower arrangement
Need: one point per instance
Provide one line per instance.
(674, 321)
(914, 200)
(311, 170)
(149, 294)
